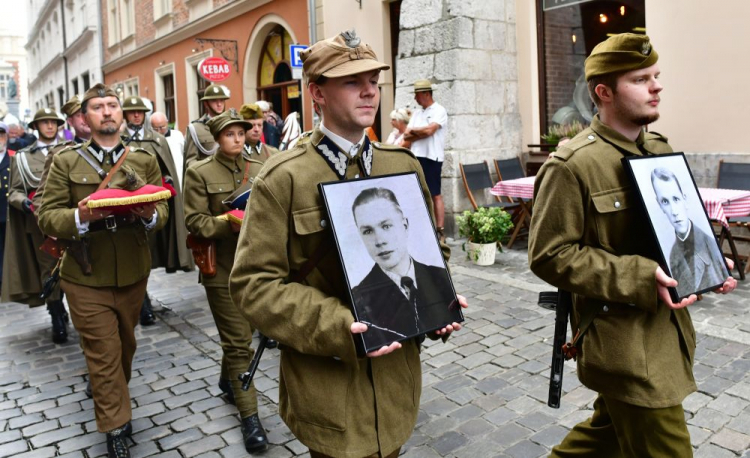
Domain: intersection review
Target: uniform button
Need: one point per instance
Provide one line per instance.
(590, 137)
(84, 180)
(220, 189)
(605, 309)
(323, 223)
(356, 176)
(617, 204)
(238, 181)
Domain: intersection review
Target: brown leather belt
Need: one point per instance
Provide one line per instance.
(112, 222)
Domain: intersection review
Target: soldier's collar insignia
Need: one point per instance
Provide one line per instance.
(350, 38)
(338, 161)
(99, 153)
(646, 48)
(366, 157)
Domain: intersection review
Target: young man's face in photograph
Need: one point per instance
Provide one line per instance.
(385, 232)
(672, 203)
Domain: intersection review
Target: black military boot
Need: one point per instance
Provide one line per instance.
(226, 388)
(59, 316)
(117, 446)
(253, 434)
(147, 314)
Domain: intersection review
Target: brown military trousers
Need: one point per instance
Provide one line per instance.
(106, 318)
(394, 454)
(236, 337)
(621, 430)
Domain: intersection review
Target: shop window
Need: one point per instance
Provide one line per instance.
(568, 31)
(275, 75)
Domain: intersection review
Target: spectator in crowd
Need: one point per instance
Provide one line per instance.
(426, 133)
(399, 120)
(176, 141)
(271, 127)
(19, 138)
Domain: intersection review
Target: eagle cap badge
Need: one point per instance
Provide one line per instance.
(350, 38)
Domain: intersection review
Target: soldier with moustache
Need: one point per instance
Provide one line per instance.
(199, 143)
(26, 266)
(253, 146)
(335, 403)
(168, 247)
(105, 296)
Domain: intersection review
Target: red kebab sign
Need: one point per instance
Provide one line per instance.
(214, 69)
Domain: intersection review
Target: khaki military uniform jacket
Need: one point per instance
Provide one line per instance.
(590, 236)
(332, 401)
(205, 145)
(117, 258)
(207, 184)
(22, 275)
(168, 248)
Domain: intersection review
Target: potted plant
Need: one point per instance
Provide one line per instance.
(484, 228)
(559, 131)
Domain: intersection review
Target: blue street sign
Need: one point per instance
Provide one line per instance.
(294, 51)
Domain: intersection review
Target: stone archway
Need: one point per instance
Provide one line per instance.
(254, 53)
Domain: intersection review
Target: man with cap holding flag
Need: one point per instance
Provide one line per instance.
(590, 237)
(288, 282)
(168, 248)
(199, 143)
(26, 266)
(106, 266)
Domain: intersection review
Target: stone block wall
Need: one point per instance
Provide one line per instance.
(705, 166)
(468, 50)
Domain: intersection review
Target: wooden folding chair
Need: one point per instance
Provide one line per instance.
(734, 175)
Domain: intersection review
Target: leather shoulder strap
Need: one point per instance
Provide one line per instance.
(113, 170)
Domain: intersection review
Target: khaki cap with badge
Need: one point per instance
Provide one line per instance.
(224, 120)
(44, 114)
(422, 86)
(134, 103)
(72, 106)
(99, 90)
(620, 53)
(342, 55)
(251, 111)
(215, 92)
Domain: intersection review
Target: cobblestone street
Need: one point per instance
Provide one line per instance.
(484, 394)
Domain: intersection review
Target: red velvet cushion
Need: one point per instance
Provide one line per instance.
(120, 201)
(233, 216)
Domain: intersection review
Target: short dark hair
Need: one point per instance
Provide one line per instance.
(371, 194)
(665, 175)
(609, 80)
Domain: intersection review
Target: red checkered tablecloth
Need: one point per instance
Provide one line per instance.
(720, 203)
(725, 203)
(522, 188)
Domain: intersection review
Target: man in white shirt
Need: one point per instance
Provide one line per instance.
(426, 133)
(175, 139)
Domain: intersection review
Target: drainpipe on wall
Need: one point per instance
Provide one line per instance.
(65, 47)
(313, 22)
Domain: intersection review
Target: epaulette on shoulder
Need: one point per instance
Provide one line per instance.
(656, 136)
(69, 148)
(581, 140)
(137, 149)
(395, 148)
(285, 156)
(201, 162)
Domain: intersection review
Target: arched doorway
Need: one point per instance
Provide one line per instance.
(275, 82)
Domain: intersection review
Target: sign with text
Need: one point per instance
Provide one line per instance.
(552, 4)
(214, 69)
(294, 51)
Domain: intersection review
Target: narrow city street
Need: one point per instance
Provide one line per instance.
(484, 392)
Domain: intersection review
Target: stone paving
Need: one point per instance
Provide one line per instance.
(484, 391)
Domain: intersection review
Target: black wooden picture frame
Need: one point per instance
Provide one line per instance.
(384, 234)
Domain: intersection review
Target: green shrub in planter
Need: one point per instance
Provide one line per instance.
(486, 225)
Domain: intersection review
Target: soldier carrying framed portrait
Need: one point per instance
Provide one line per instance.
(397, 278)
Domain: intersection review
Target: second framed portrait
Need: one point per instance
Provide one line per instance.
(398, 281)
(689, 249)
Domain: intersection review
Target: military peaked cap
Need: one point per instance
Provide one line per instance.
(251, 111)
(224, 120)
(98, 90)
(72, 106)
(342, 55)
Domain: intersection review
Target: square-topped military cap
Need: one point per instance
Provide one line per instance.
(342, 55)
(72, 106)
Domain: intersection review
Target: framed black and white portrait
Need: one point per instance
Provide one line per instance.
(398, 281)
(690, 252)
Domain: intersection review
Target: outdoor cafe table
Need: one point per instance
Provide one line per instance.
(720, 203)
